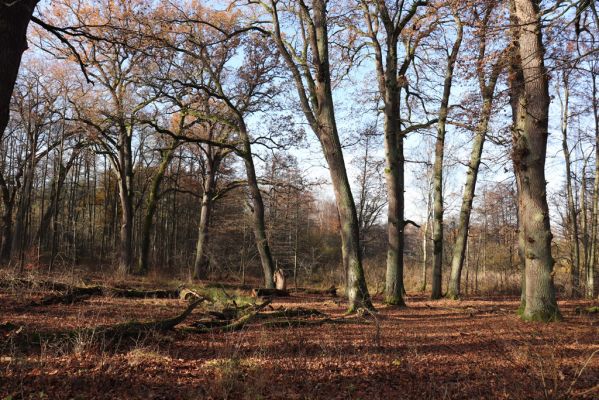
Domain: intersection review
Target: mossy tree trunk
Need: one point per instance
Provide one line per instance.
(529, 150)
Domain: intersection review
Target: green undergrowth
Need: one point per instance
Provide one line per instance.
(223, 296)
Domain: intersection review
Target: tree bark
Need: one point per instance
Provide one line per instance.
(459, 249)
(14, 20)
(357, 291)
(317, 104)
(529, 151)
(152, 204)
(438, 166)
(571, 214)
(594, 256)
(125, 264)
(8, 203)
(268, 267)
(487, 90)
(201, 261)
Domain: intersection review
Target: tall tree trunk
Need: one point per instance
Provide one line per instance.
(395, 180)
(125, 264)
(151, 205)
(201, 260)
(268, 267)
(328, 135)
(529, 151)
(594, 256)
(317, 104)
(23, 205)
(438, 167)
(389, 74)
(516, 88)
(8, 203)
(459, 249)
(14, 19)
(425, 238)
(571, 215)
(487, 91)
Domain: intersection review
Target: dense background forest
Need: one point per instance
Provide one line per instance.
(389, 149)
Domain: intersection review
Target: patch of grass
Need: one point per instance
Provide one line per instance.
(140, 356)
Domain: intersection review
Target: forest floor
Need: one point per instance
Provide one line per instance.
(474, 348)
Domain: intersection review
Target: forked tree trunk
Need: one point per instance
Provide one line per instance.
(152, 204)
(529, 151)
(201, 260)
(487, 91)
(389, 74)
(438, 167)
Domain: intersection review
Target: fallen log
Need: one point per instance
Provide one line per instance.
(267, 292)
(230, 325)
(293, 313)
(74, 294)
(137, 328)
(332, 291)
(105, 333)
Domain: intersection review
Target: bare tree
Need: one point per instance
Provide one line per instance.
(438, 206)
(309, 64)
(487, 82)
